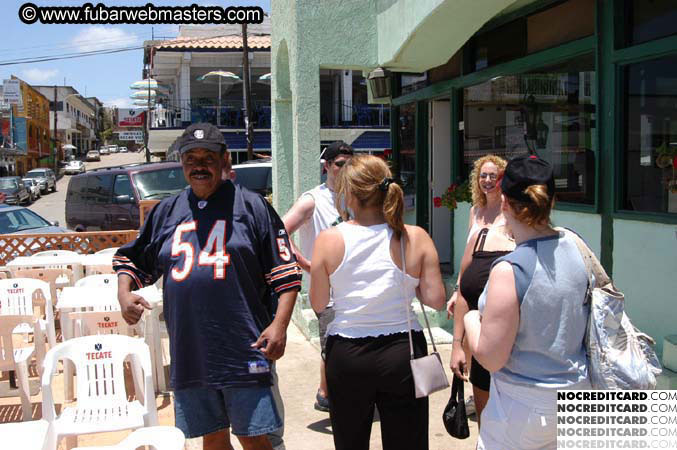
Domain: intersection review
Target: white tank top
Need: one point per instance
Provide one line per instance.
(369, 295)
(324, 216)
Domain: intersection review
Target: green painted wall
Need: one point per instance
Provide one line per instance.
(644, 269)
(589, 226)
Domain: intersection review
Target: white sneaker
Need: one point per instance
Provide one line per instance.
(470, 405)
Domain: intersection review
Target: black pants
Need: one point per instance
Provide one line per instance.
(364, 372)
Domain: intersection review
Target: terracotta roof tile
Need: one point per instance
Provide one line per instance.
(222, 42)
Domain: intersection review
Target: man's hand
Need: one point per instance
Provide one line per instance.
(132, 306)
(3, 197)
(272, 341)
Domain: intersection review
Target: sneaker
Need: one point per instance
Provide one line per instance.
(470, 405)
(321, 403)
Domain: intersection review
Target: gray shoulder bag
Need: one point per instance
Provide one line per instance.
(428, 371)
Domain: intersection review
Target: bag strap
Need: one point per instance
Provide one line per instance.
(407, 306)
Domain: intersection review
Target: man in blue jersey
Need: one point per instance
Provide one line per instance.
(222, 250)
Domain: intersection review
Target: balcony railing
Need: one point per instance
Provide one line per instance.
(230, 114)
(339, 115)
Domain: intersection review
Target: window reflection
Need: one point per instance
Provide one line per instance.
(549, 112)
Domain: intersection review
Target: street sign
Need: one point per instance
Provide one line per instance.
(133, 135)
(130, 117)
(11, 91)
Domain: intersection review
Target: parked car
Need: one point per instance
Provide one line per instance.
(113, 148)
(103, 151)
(15, 190)
(108, 198)
(75, 167)
(255, 175)
(17, 219)
(93, 155)
(123, 150)
(33, 188)
(45, 177)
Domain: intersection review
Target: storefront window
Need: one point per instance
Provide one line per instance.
(651, 136)
(651, 20)
(549, 112)
(407, 163)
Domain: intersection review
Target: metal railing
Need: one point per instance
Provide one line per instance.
(227, 114)
(339, 115)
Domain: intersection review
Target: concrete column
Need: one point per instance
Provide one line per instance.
(347, 94)
(184, 87)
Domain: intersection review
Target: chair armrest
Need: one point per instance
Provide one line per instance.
(48, 411)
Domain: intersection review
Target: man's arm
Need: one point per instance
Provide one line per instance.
(131, 304)
(273, 340)
(297, 215)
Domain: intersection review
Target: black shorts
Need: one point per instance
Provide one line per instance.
(479, 376)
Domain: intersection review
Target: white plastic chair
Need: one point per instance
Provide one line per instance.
(102, 404)
(56, 253)
(107, 251)
(160, 438)
(18, 296)
(99, 280)
(17, 358)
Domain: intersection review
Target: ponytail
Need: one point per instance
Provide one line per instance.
(393, 208)
(537, 211)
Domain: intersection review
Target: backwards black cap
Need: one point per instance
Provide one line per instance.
(334, 149)
(524, 171)
(201, 135)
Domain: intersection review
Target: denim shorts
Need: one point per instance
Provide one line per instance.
(248, 411)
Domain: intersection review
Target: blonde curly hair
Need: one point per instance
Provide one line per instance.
(478, 197)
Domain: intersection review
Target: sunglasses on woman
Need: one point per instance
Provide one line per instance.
(491, 176)
(339, 163)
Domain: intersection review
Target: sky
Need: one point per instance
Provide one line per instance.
(106, 77)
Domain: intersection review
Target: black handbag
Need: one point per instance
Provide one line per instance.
(454, 416)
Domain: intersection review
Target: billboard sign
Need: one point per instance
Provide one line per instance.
(130, 117)
(11, 91)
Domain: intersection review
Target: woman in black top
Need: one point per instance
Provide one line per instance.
(489, 244)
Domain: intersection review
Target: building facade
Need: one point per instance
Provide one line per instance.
(588, 85)
(190, 95)
(75, 119)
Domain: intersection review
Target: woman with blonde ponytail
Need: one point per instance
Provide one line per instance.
(368, 345)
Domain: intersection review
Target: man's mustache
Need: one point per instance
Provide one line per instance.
(199, 172)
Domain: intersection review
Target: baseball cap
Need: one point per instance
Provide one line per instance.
(201, 135)
(334, 149)
(524, 171)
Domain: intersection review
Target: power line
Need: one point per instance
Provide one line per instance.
(73, 56)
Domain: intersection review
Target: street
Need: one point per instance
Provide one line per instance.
(52, 206)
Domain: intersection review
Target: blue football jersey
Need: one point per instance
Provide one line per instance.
(221, 260)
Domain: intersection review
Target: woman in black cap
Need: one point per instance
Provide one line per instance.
(533, 317)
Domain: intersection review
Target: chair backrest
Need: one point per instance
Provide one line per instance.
(160, 437)
(107, 251)
(102, 322)
(62, 277)
(7, 325)
(99, 366)
(99, 270)
(18, 296)
(56, 253)
(100, 280)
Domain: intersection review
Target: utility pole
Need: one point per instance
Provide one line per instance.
(249, 131)
(56, 148)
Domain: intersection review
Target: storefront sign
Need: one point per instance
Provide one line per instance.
(11, 91)
(130, 117)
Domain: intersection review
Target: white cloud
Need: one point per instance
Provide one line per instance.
(39, 76)
(121, 102)
(98, 37)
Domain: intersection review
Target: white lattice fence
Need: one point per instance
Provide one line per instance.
(13, 245)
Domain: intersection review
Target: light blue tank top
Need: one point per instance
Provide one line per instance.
(551, 283)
